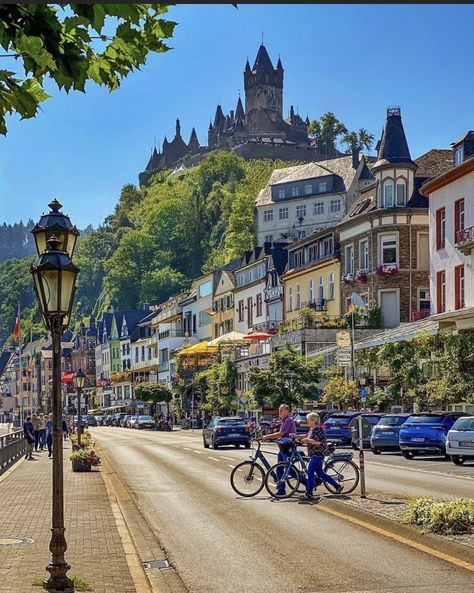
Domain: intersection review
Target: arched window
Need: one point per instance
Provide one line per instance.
(401, 193)
(388, 194)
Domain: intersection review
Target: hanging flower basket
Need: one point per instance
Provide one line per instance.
(361, 276)
(388, 270)
(347, 278)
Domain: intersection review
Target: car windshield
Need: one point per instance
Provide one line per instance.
(424, 420)
(229, 421)
(392, 421)
(144, 417)
(301, 417)
(463, 424)
(338, 421)
(372, 419)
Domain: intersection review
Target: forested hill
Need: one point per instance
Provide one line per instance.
(157, 240)
(16, 241)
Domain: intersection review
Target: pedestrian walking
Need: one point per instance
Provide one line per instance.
(28, 432)
(49, 435)
(42, 431)
(37, 425)
(316, 443)
(287, 427)
(65, 429)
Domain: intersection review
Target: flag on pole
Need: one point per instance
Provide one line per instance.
(351, 309)
(16, 329)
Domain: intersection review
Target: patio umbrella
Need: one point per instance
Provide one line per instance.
(258, 336)
(199, 348)
(232, 336)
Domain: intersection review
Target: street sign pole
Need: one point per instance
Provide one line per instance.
(363, 493)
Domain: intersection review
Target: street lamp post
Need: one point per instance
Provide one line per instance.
(79, 381)
(54, 278)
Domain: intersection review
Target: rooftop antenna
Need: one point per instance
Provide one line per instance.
(262, 36)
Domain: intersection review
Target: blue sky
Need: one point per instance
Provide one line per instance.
(354, 60)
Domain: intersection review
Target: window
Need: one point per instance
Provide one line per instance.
(299, 258)
(388, 249)
(458, 218)
(205, 289)
(268, 238)
(301, 211)
(440, 228)
(459, 284)
(322, 186)
(289, 305)
(249, 311)
(424, 300)
(423, 255)
(259, 304)
(283, 213)
(298, 297)
(295, 191)
(310, 291)
(441, 291)
(335, 206)
(308, 189)
(204, 318)
(349, 257)
(401, 192)
(143, 353)
(318, 208)
(300, 234)
(267, 215)
(388, 194)
(364, 254)
(459, 155)
(321, 288)
(313, 253)
(241, 310)
(281, 193)
(331, 286)
(325, 247)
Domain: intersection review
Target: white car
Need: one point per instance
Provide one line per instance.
(460, 440)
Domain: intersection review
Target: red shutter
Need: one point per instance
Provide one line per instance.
(440, 292)
(459, 287)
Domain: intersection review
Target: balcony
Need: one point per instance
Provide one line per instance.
(422, 314)
(465, 240)
(171, 333)
(317, 305)
(266, 326)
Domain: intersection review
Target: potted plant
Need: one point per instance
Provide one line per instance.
(81, 460)
(387, 270)
(361, 276)
(347, 278)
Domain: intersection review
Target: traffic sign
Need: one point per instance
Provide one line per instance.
(140, 404)
(343, 339)
(344, 357)
(363, 394)
(366, 428)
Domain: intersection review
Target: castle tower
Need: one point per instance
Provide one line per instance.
(263, 89)
(394, 170)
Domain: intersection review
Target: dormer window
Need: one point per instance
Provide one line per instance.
(295, 191)
(281, 194)
(459, 155)
(322, 186)
(388, 194)
(401, 192)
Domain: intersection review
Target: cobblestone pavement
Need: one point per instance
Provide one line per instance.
(95, 550)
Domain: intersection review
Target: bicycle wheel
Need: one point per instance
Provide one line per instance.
(343, 471)
(247, 478)
(287, 485)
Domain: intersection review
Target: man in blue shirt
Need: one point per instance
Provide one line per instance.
(287, 428)
(28, 431)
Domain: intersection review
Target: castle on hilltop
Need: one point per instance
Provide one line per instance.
(257, 132)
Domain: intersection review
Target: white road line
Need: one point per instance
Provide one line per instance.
(229, 458)
(416, 469)
(187, 448)
(198, 452)
(232, 466)
(213, 458)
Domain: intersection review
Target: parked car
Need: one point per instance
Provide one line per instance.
(131, 421)
(117, 418)
(100, 419)
(372, 419)
(108, 420)
(384, 436)
(460, 440)
(230, 430)
(337, 427)
(123, 420)
(91, 421)
(426, 432)
(144, 422)
(301, 422)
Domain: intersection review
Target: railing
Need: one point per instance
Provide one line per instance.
(465, 237)
(171, 333)
(317, 305)
(422, 314)
(266, 325)
(12, 446)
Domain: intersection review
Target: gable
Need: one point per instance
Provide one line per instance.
(225, 284)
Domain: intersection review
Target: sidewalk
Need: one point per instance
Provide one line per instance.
(95, 551)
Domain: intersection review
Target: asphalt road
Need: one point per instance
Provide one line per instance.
(221, 543)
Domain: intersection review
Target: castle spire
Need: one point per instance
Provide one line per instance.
(279, 64)
(262, 61)
(239, 110)
(247, 66)
(393, 148)
(178, 128)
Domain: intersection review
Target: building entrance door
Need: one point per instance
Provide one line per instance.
(390, 307)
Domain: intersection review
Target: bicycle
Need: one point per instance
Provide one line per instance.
(248, 478)
(293, 472)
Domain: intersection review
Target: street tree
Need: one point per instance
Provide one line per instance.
(289, 378)
(154, 393)
(340, 391)
(357, 141)
(72, 44)
(326, 131)
(217, 383)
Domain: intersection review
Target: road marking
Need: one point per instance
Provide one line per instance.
(198, 452)
(232, 466)
(213, 458)
(399, 538)
(187, 448)
(425, 471)
(229, 458)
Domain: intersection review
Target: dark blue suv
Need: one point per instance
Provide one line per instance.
(337, 427)
(385, 433)
(426, 432)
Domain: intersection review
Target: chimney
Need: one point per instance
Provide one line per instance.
(355, 158)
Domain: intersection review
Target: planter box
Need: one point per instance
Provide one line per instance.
(79, 466)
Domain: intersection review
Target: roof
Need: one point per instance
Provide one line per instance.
(467, 166)
(262, 61)
(393, 147)
(342, 167)
(132, 318)
(5, 358)
(434, 162)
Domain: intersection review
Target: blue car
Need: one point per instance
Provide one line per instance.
(426, 432)
(337, 427)
(384, 436)
(226, 431)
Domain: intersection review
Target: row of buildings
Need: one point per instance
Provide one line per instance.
(396, 231)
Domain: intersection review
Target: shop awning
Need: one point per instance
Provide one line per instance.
(199, 348)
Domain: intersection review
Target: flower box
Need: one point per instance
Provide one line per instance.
(81, 464)
(387, 270)
(347, 278)
(361, 276)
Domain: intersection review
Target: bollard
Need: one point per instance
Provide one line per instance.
(363, 493)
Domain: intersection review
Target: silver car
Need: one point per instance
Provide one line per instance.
(460, 440)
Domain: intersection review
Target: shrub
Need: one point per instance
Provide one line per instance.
(455, 516)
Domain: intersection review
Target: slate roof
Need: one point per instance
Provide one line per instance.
(342, 167)
(5, 358)
(393, 146)
(434, 162)
(132, 318)
(262, 61)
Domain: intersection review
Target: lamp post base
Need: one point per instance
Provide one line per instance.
(58, 582)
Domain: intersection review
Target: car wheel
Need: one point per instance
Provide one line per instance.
(247, 445)
(377, 450)
(408, 454)
(237, 445)
(206, 445)
(458, 459)
(214, 444)
(354, 446)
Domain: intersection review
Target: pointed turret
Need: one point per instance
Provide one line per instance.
(178, 129)
(165, 143)
(306, 121)
(239, 110)
(262, 61)
(218, 118)
(193, 144)
(247, 66)
(210, 125)
(279, 64)
(292, 112)
(393, 148)
(239, 125)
